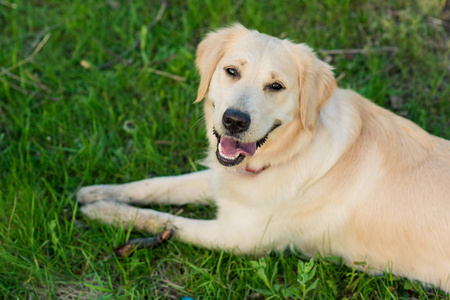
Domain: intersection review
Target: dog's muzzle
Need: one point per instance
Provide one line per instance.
(231, 151)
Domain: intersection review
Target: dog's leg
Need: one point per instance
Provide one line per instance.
(176, 190)
(237, 234)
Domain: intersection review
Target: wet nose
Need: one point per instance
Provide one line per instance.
(235, 121)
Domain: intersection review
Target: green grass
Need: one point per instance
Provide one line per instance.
(63, 126)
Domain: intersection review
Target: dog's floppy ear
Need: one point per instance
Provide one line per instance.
(317, 84)
(210, 51)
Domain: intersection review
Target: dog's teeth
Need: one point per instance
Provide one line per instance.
(226, 156)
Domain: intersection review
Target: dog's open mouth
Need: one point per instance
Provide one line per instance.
(231, 151)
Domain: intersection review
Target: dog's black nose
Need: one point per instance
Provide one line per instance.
(235, 121)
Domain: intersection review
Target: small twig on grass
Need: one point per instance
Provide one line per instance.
(137, 42)
(158, 16)
(34, 93)
(25, 81)
(43, 32)
(339, 78)
(166, 74)
(173, 285)
(28, 58)
(179, 212)
(358, 51)
(18, 88)
(116, 57)
(439, 22)
(161, 61)
(130, 247)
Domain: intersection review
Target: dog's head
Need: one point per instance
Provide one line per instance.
(255, 85)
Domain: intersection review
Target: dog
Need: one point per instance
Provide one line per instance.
(293, 160)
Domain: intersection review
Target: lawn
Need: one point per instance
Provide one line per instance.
(101, 92)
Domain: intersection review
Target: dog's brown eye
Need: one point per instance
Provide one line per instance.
(232, 72)
(276, 86)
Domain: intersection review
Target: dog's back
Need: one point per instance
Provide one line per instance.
(397, 177)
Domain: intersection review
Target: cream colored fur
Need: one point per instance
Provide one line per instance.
(342, 176)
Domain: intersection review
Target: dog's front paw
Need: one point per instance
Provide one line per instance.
(110, 212)
(116, 213)
(95, 193)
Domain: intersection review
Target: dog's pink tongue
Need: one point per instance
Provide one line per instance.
(232, 147)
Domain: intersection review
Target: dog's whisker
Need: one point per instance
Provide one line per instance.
(196, 123)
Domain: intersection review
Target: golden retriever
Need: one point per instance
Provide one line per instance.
(294, 160)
